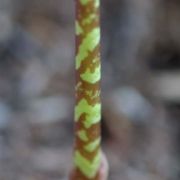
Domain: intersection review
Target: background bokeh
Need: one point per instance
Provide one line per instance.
(140, 88)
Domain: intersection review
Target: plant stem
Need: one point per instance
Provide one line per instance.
(87, 153)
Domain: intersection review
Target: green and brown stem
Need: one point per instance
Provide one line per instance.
(88, 159)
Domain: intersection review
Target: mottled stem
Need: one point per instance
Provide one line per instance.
(88, 159)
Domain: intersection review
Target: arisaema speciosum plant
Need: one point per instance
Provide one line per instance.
(89, 161)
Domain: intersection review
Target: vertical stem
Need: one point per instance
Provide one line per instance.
(87, 153)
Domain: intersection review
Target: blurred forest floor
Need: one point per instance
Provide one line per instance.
(140, 88)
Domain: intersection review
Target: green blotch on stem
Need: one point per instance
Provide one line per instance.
(97, 3)
(82, 135)
(93, 145)
(89, 19)
(79, 29)
(84, 2)
(89, 169)
(92, 77)
(93, 113)
(89, 44)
